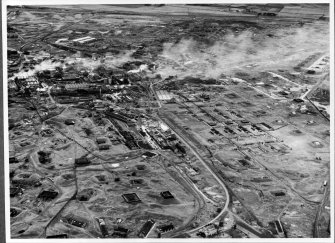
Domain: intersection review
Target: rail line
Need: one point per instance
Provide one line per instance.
(206, 166)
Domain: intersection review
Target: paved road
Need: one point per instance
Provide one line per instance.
(283, 78)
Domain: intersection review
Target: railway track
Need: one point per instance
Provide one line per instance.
(201, 204)
(185, 141)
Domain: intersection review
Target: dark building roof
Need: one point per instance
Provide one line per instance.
(15, 191)
(279, 226)
(146, 228)
(69, 122)
(121, 229)
(136, 181)
(298, 100)
(82, 161)
(131, 198)
(104, 146)
(76, 221)
(149, 154)
(14, 212)
(104, 230)
(103, 227)
(13, 160)
(47, 195)
(166, 195)
(278, 193)
(181, 148)
(101, 140)
(70, 78)
(131, 145)
(165, 228)
(120, 117)
(57, 236)
(120, 232)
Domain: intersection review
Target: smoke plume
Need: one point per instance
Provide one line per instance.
(270, 50)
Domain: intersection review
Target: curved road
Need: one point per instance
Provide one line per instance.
(185, 141)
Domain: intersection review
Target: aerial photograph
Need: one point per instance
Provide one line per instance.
(169, 121)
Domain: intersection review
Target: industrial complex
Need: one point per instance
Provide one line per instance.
(169, 121)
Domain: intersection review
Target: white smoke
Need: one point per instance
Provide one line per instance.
(76, 62)
(44, 65)
(234, 52)
(111, 61)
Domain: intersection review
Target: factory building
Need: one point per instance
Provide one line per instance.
(77, 86)
(164, 95)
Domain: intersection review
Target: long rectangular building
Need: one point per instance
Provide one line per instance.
(146, 228)
(83, 40)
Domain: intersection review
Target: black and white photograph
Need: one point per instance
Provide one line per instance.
(147, 121)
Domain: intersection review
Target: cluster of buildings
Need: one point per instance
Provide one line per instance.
(150, 135)
(321, 65)
(119, 231)
(161, 136)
